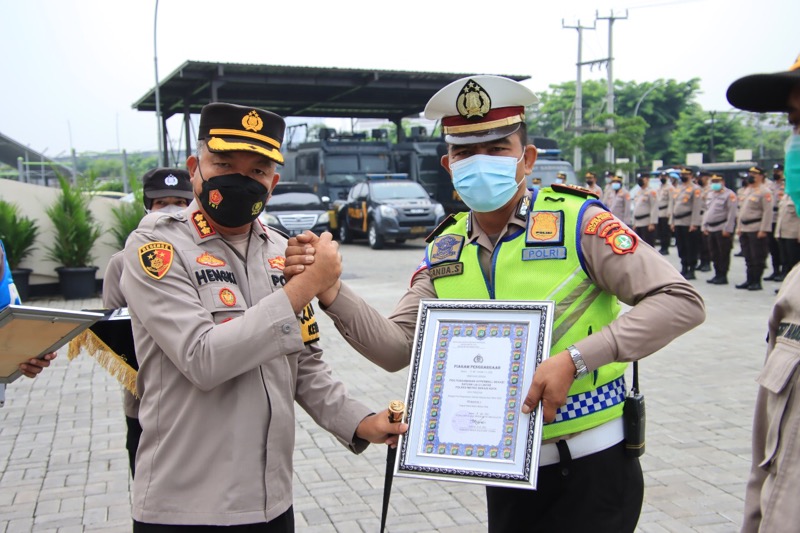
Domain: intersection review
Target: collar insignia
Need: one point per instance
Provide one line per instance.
(156, 258)
(201, 225)
(446, 248)
(252, 122)
(473, 101)
(209, 260)
(523, 207)
(545, 228)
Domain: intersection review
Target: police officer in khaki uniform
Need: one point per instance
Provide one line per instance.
(163, 189)
(754, 224)
(704, 254)
(771, 497)
(591, 184)
(685, 221)
(618, 200)
(776, 186)
(561, 178)
(664, 209)
(645, 210)
(585, 482)
(226, 344)
(719, 223)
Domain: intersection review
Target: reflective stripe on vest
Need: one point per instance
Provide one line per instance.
(581, 306)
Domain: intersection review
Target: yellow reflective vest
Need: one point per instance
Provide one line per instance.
(542, 262)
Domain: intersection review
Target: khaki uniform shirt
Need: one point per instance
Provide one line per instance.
(645, 208)
(595, 189)
(221, 363)
(619, 203)
(114, 299)
(771, 498)
(721, 207)
(665, 200)
(686, 205)
(387, 342)
(755, 211)
(788, 224)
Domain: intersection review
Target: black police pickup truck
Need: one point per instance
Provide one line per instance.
(388, 207)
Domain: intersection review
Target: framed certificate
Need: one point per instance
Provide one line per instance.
(473, 362)
(28, 332)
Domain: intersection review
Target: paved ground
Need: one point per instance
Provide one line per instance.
(63, 464)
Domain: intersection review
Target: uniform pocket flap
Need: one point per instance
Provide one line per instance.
(779, 367)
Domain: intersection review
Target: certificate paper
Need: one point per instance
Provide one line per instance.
(473, 363)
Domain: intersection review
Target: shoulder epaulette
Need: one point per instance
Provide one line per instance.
(574, 190)
(447, 222)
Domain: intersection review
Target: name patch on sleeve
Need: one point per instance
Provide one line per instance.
(309, 329)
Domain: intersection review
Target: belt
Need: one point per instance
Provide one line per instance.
(751, 221)
(789, 331)
(641, 217)
(682, 216)
(712, 224)
(663, 206)
(590, 441)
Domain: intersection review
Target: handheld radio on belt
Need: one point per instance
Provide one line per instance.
(633, 417)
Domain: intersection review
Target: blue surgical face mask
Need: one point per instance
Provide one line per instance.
(486, 182)
(791, 170)
(716, 186)
(616, 185)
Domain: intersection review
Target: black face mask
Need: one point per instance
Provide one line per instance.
(232, 200)
(589, 182)
(751, 179)
(640, 182)
(684, 179)
(663, 180)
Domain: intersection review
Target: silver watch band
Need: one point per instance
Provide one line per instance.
(577, 359)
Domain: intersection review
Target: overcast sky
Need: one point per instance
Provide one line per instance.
(71, 69)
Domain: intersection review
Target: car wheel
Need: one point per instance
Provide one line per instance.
(375, 239)
(344, 232)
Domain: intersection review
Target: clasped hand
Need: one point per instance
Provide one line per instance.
(306, 253)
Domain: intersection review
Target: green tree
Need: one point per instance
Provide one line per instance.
(714, 134)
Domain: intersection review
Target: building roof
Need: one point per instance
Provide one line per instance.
(298, 91)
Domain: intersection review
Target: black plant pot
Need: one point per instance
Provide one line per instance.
(77, 282)
(22, 278)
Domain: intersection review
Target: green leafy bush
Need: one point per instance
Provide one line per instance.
(75, 226)
(17, 232)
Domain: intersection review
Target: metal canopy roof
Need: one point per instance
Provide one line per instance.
(298, 91)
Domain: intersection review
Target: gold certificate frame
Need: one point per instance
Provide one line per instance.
(473, 361)
(31, 332)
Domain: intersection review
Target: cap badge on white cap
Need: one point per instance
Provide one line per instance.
(252, 121)
(473, 101)
(171, 180)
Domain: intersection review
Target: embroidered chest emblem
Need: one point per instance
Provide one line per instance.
(227, 297)
(278, 263)
(209, 260)
(446, 248)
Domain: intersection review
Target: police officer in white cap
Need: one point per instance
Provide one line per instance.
(558, 243)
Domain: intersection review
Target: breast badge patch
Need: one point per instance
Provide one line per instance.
(446, 248)
(156, 258)
(209, 260)
(278, 263)
(545, 228)
(227, 297)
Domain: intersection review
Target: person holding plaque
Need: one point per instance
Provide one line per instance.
(770, 502)
(8, 296)
(558, 243)
(168, 190)
(226, 343)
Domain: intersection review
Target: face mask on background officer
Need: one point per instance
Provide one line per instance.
(243, 179)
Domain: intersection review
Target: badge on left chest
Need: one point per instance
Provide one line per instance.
(545, 233)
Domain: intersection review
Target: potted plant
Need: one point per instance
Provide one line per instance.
(18, 234)
(127, 216)
(76, 232)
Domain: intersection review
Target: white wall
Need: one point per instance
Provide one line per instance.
(32, 201)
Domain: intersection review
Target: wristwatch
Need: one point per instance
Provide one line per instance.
(580, 365)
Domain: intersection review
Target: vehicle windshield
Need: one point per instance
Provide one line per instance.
(345, 179)
(398, 190)
(293, 200)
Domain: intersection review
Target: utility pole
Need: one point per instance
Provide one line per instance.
(610, 156)
(578, 158)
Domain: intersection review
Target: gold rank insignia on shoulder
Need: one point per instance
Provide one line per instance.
(156, 258)
(545, 228)
(473, 101)
(252, 122)
(201, 225)
(446, 248)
